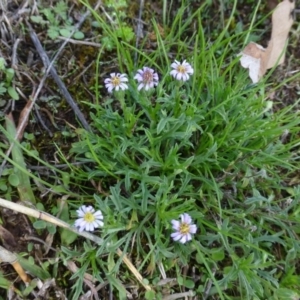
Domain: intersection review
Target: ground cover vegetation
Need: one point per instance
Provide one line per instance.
(171, 176)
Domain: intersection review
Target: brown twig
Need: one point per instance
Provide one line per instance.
(77, 42)
(47, 63)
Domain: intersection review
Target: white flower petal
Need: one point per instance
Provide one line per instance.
(185, 77)
(186, 218)
(80, 213)
(90, 209)
(98, 214)
(175, 224)
(173, 73)
(84, 208)
(81, 229)
(176, 236)
(183, 240)
(179, 76)
(123, 86)
(78, 222)
(193, 229)
(99, 223)
(175, 64)
(141, 85)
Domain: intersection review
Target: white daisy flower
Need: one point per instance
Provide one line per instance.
(182, 71)
(116, 82)
(146, 78)
(88, 219)
(183, 229)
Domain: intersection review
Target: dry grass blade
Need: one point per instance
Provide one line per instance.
(9, 257)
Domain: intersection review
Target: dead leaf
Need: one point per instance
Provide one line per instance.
(282, 22)
(252, 59)
(258, 59)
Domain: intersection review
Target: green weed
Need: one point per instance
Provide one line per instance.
(211, 147)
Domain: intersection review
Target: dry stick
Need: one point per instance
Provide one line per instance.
(33, 100)
(77, 42)
(51, 219)
(208, 287)
(59, 82)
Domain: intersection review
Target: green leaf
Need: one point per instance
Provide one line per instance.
(218, 254)
(34, 269)
(51, 228)
(13, 179)
(24, 186)
(32, 285)
(2, 63)
(39, 224)
(38, 20)
(287, 294)
(118, 285)
(186, 282)
(49, 15)
(66, 178)
(189, 283)
(161, 125)
(61, 8)
(10, 73)
(67, 237)
(65, 32)
(3, 186)
(108, 43)
(125, 33)
(78, 35)
(150, 295)
(12, 92)
(53, 33)
(2, 89)
(4, 283)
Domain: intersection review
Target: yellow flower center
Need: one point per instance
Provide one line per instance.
(181, 69)
(184, 228)
(115, 81)
(89, 217)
